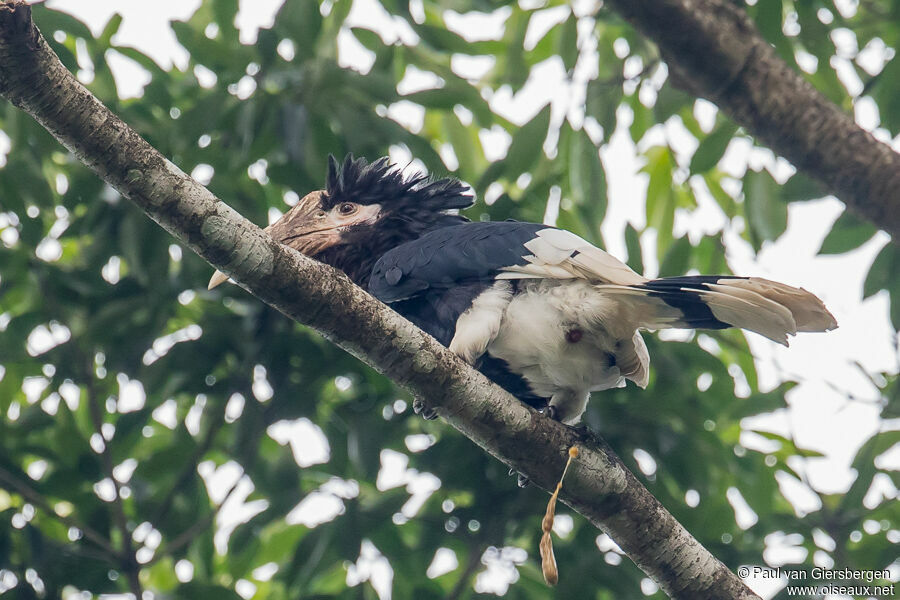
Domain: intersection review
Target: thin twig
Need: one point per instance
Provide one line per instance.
(194, 530)
(189, 534)
(621, 79)
(129, 560)
(190, 467)
(38, 500)
(462, 584)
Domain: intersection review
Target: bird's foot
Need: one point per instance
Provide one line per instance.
(521, 480)
(419, 408)
(551, 412)
(581, 428)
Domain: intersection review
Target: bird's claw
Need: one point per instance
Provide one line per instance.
(581, 428)
(551, 412)
(426, 413)
(521, 480)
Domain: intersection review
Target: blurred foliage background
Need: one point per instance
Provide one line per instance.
(200, 445)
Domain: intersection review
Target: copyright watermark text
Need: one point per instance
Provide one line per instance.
(818, 581)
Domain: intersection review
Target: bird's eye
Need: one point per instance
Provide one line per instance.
(347, 208)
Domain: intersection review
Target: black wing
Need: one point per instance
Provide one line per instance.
(435, 278)
(451, 256)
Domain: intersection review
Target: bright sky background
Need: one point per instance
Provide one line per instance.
(833, 410)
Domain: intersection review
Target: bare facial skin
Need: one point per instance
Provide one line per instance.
(309, 228)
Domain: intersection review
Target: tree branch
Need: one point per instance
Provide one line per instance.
(129, 562)
(464, 583)
(36, 498)
(598, 486)
(189, 534)
(714, 50)
(190, 468)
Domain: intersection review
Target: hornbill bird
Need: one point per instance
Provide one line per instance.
(539, 310)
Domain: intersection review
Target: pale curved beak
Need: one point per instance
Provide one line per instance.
(309, 229)
(217, 279)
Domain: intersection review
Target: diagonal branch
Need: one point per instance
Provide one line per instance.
(599, 486)
(189, 534)
(190, 468)
(714, 50)
(36, 498)
(129, 562)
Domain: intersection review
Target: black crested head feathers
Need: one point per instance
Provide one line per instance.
(380, 182)
(410, 206)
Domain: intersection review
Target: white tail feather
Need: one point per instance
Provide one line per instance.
(771, 309)
(749, 310)
(634, 361)
(808, 311)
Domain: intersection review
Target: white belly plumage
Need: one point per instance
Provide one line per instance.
(563, 337)
(540, 339)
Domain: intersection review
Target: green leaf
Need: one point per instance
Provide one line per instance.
(50, 21)
(204, 591)
(883, 272)
(886, 93)
(587, 178)
(677, 258)
(466, 145)
(766, 212)
(162, 575)
(568, 43)
(643, 118)
(814, 33)
(441, 39)
(301, 22)
(633, 245)
(368, 38)
(892, 394)
(864, 464)
(527, 144)
(671, 101)
(800, 187)
(661, 197)
(712, 147)
(659, 167)
(512, 63)
(713, 182)
(225, 12)
(769, 14)
(601, 102)
(111, 28)
(847, 233)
